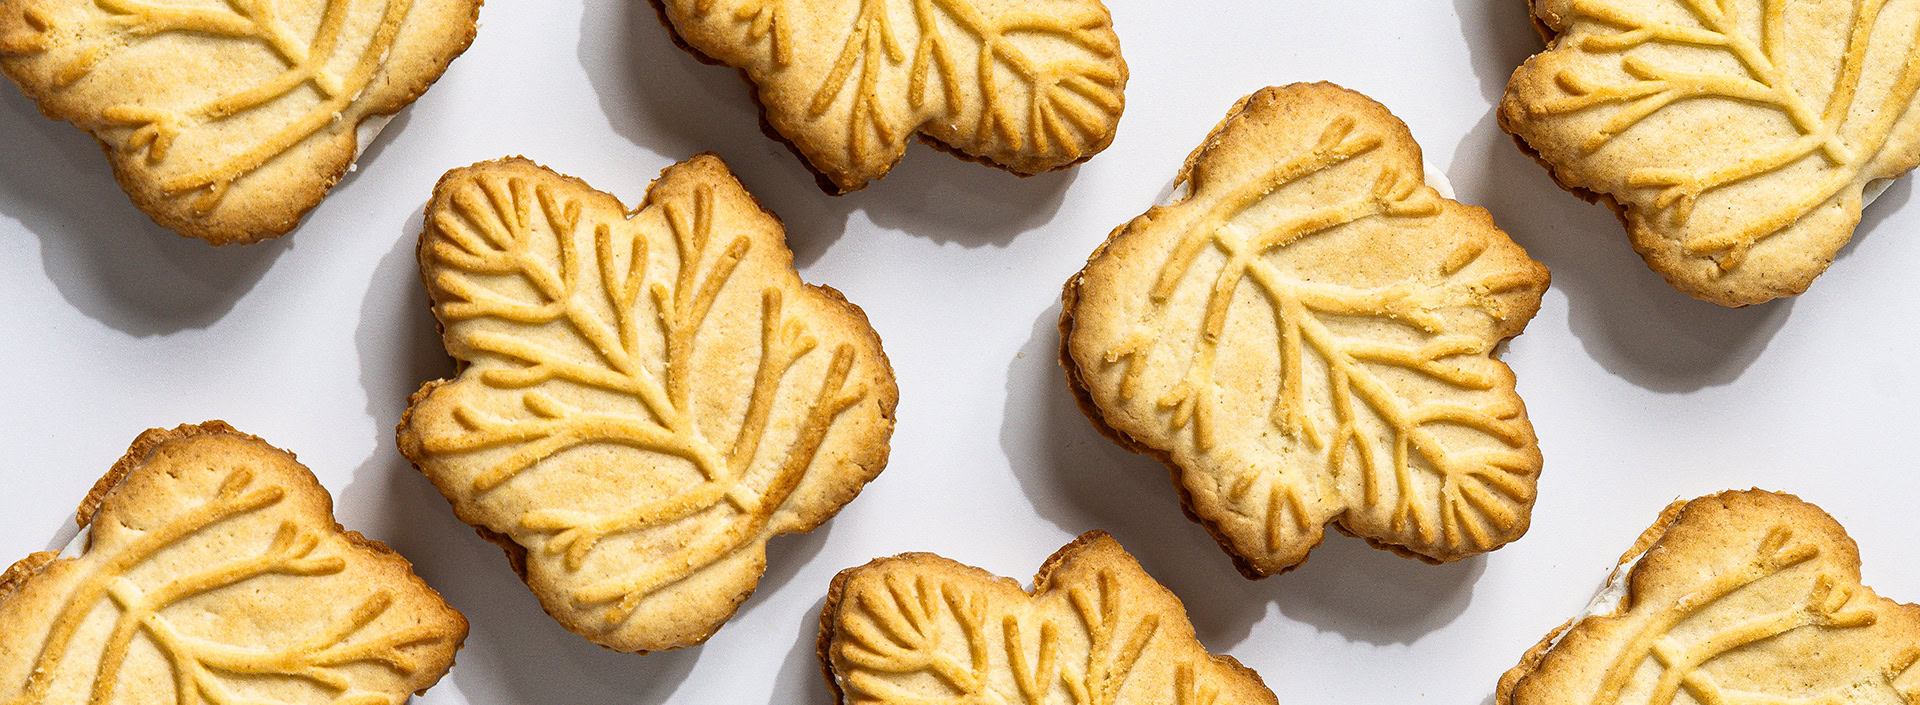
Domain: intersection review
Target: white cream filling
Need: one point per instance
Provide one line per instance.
(1873, 191)
(1438, 180)
(363, 135)
(1607, 601)
(370, 126)
(78, 545)
(1175, 191)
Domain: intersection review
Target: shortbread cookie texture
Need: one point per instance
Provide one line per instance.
(645, 399)
(228, 121)
(1096, 630)
(1734, 137)
(1025, 85)
(214, 573)
(1739, 598)
(1308, 337)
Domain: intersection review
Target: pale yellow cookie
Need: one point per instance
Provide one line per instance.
(1734, 137)
(213, 572)
(228, 121)
(1739, 598)
(1024, 85)
(1307, 337)
(645, 397)
(1095, 630)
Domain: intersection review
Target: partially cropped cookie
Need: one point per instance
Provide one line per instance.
(1308, 336)
(917, 628)
(228, 121)
(213, 572)
(1024, 85)
(1738, 598)
(1737, 139)
(645, 397)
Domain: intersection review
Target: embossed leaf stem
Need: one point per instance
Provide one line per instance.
(154, 130)
(495, 228)
(1189, 691)
(902, 634)
(1824, 606)
(1822, 130)
(1113, 647)
(196, 662)
(1066, 97)
(497, 237)
(1298, 307)
(766, 19)
(906, 632)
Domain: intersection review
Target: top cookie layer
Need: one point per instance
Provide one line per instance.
(228, 121)
(1308, 338)
(1096, 629)
(1026, 85)
(1735, 137)
(1739, 597)
(215, 573)
(644, 399)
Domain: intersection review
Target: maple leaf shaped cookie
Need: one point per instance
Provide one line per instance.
(918, 629)
(1739, 598)
(1734, 137)
(228, 121)
(1307, 338)
(644, 399)
(214, 573)
(1025, 85)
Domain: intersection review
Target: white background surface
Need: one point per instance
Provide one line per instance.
(1639, 394)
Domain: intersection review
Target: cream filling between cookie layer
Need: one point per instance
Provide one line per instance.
(1607, 601)
(78, 545)
(1175, 191)
(1438, 180)
(1873, 191)
(370, 126)
(363, 136)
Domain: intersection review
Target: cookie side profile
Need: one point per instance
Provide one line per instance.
(1025, 85)
(918, 628)
(214, 572)
(1738, 597)
(1307, 338)
(228, 122)
(645, 398)
(1736, 140)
